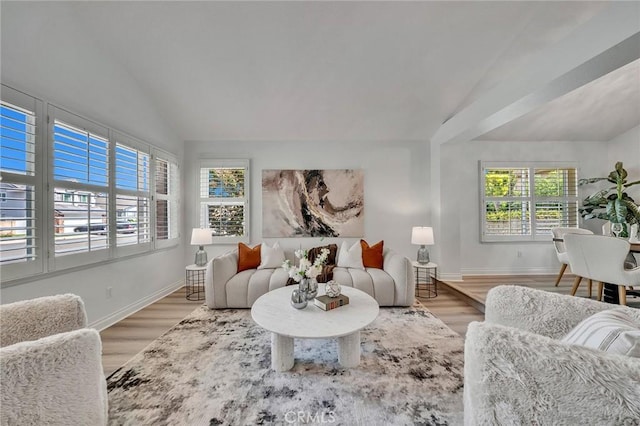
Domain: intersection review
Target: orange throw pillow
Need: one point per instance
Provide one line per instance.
(248, 258)
(372, 255)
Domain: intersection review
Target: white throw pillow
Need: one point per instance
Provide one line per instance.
(271, 257)
(350, 257)
(611, 331)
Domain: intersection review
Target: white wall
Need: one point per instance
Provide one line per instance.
(461, 249)
(45, 54)
(396, 177)
(626, 148)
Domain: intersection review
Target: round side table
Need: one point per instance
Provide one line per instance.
(194, 282)
(424, 278)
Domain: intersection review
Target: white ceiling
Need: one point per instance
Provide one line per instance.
(318, 71)
(598, 111)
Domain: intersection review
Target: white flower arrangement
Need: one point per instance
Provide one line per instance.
(305, 268)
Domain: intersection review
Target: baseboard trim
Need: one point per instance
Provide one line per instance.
(509, 271)
(447, 276)
(121, 314)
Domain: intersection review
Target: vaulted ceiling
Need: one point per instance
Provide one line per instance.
(318, 71)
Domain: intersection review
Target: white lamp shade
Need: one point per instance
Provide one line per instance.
(201, 237)
(422, 235)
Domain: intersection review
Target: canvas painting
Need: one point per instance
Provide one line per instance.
(312, 203)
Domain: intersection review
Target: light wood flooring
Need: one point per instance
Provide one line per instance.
(123, 340)
(457, 304)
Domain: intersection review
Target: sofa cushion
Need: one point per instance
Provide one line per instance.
(248, 258)
(611, 331)
(372, 255)
(271, 257)
(350, 257)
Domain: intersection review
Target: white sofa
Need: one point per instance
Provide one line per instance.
(51, 364)
(517, 371)
(226, 288)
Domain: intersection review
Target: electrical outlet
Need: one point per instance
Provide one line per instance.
(109, 292)
(519, 253)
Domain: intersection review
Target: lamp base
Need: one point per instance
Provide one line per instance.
(423, 255)
(201, 257)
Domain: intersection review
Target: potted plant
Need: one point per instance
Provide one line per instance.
(612, 204)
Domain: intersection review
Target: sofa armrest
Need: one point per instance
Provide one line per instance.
(399, 268)
(36, 318)
(54, 380)
(515, 377)
(540, 312)
(219, 270)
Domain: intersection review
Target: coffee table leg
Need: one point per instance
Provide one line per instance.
(281, 352)
(349, 350)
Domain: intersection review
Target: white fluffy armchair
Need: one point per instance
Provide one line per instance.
(518, 372)
(51, 365)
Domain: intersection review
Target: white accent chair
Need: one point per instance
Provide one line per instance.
(518, 372)
(561, 251)
(602, 259)
(51, 364)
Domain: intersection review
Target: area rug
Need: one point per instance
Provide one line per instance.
(213, 368)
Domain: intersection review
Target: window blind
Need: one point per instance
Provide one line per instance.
(167, 186)
(525, 202)
(18, 216)
(224, 199)
(133, 172)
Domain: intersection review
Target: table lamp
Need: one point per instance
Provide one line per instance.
(422, 235)
(201, 237)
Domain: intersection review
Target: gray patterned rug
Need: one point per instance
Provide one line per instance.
(213, 368)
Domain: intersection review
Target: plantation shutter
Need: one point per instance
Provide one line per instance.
(133, 193)
(20, 244)
(224, 201)
(523, 202)
(81, 178)
(167, 211)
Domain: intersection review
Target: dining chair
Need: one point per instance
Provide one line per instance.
(561, 251)
(601, 259)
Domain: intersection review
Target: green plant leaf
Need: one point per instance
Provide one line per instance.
(617, 211)
(633, 211)
(626, 185)
(590, 180)
(622, 173)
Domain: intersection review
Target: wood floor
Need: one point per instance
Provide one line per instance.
(123, 340)
(457, 304)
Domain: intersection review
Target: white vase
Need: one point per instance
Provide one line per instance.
(633, 234)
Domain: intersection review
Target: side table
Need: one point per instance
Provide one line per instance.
(194, 282)
(424, 277)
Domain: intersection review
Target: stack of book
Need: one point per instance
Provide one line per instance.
(327, 303)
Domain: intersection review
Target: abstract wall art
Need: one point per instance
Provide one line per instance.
(312, 203)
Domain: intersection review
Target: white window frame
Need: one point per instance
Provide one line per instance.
(202, 200)
(173, 198)
(532, 199)
(118, 138)
(83, 258)
(36, 265)
(45, 261)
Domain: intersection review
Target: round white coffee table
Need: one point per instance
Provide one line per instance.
(273, 312)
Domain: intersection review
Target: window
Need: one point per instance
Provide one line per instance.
(74, 192)
(167, 207)
(522, 202)
(133, 194)
(20, 155)
(224, 199)
(80, 165)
